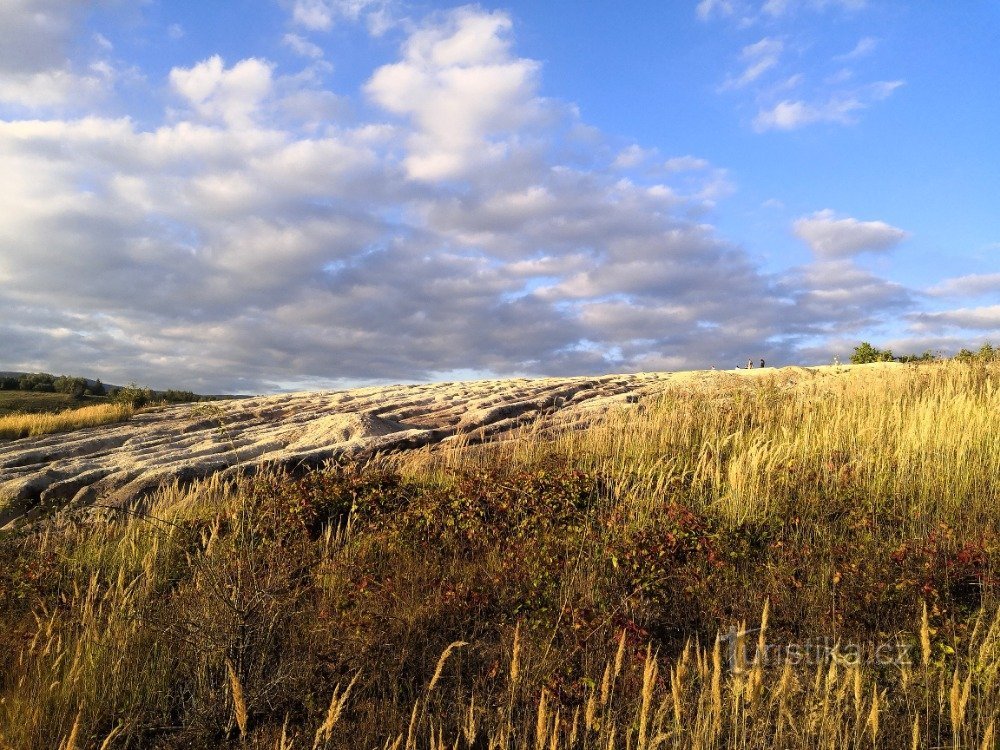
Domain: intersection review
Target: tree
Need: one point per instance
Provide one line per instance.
(865, 353)
(133, 396)
(98, 389)
(76, 387)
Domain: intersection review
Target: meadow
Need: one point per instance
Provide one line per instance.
(26, 402)
(746, 563)
(50, 420)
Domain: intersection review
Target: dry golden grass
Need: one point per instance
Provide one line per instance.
(918, 439)
(28, 425)
(220, 620)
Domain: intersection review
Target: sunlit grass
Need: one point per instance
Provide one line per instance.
(562, 590)
(29, 425)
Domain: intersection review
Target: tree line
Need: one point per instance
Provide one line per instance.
(865, 353)
(42, 382)
(132, 394)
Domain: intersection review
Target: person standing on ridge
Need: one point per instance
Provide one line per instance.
(762, 363)
(749, 364)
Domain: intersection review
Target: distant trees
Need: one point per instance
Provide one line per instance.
(75, 387)
(987, 353)
(865, 353)
(43, 382)
(179, 397)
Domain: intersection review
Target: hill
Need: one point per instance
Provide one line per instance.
(795, 558)
(123, 462)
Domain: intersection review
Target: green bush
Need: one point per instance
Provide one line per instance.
(133, 396)
(865, 353)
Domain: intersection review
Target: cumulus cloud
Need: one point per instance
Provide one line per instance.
(35, 69)
(836, 296)
(831, 237)
(232, 95)
(235, 247)
(464, 92)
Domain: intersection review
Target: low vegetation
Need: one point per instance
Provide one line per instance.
(15, 426)
(747, 564)
(41, 404)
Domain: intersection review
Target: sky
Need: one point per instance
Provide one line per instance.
(248, 196)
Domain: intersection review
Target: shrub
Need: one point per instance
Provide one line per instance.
(865, 353)
(133, 396)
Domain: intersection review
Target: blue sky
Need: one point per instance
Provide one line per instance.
(254, 195)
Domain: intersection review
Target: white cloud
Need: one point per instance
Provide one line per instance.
(786, 60)
(685, 164)
(302, 46)
(239, 243)
(974, 318)
(35, 69)
(316, 15)
(842, 108)
(707, 9)
(633, 156)
(757, 58)
(232, 95)
(321, 15)
(830, 237)
(50, 88)
(972, 285)
(865, 46)
(779, 8)
(463, 91)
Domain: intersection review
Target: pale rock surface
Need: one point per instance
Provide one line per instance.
(119, 463)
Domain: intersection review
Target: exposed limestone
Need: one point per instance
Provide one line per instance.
(121, 462)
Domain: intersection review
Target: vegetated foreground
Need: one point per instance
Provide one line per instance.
(559, 589)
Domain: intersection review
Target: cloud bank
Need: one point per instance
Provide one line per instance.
(264, 234)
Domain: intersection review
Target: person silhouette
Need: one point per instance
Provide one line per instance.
(749, 364)
(762, 362)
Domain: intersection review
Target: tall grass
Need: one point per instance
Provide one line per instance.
(568, 590)
(28, 425)
(919, 441)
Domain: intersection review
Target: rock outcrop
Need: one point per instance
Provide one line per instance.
(116, 464)
(121, 462)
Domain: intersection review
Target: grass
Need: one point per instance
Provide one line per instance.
(15, 426)
(747, 563)
(28, 402)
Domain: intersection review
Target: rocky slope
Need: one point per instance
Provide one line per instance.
(119, 463)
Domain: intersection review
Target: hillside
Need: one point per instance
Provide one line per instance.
(122, 462)
(795, 558)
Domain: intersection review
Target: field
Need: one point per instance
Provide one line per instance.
(745, 563)
(31, 414)
(27, 402)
